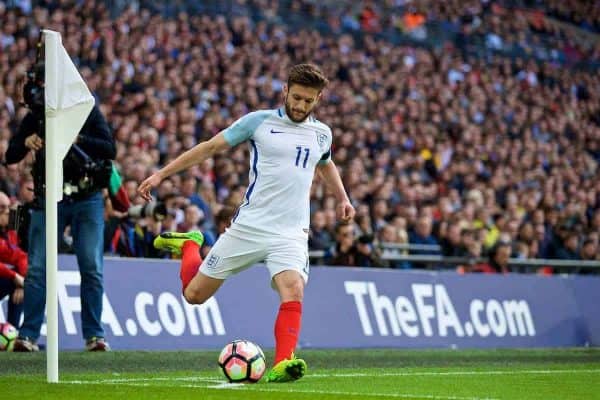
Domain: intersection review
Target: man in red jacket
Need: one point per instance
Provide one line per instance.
(13, 265)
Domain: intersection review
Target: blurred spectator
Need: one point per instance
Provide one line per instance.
(319, 238)
(521, 250)
(143, 231)
(364, 226)
(13, 265)
(589, 250)
(543, 240)
(369, 19)
(192, 219)
(345, 252)
(498, 260)
(391, 235)
(413, 22)
(452, 243)
(189, 190)
(367, 254)
(422, 235)
(570, 248)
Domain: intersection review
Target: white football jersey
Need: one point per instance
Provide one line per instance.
(283, 157)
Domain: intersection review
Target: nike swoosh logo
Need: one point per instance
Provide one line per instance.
(274, 131)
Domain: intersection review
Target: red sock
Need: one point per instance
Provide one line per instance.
(190, 262)
(287, 329)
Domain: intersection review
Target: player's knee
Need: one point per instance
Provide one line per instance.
(293, 290)
(194, 296)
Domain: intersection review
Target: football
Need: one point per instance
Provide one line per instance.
(242, 361)
(8, 334)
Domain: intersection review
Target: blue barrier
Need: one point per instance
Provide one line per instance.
(344, 307)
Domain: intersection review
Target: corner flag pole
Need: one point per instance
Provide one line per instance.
(52, 172)
(68, 103)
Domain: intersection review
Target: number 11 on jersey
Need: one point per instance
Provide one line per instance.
(298, 156)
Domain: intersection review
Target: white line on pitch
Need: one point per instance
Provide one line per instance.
(146, 382)
(349, 375)
(225, 385)
(219, 384)
(458, 373)
(140, 380)
(391, 395)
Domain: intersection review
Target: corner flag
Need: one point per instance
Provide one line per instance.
(68, 99)
(68, 103)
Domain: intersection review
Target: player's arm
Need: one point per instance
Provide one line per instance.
(193, 156)
(328, 172)
(239, 131)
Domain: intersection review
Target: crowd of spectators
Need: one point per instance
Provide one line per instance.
(516, 28)
(584, 14)
(435, 147)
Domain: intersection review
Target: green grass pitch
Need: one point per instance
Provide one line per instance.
(561, 374)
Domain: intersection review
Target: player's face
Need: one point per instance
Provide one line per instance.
(300, 101)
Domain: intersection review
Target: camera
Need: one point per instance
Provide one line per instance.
(82, 174)
(33, 90)
(155, 209)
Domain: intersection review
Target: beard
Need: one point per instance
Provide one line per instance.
(292, 115)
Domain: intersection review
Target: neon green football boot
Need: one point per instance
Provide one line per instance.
(287, 370)
(173, 241)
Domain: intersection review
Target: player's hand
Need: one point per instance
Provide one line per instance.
(17, 296)
(345, 211)
(34, 142)
(145, 187)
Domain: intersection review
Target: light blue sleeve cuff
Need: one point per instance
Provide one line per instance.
(243, 129)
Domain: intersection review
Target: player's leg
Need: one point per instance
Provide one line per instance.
(187, 245)
(288, 267)
(196, 287)
(201, 288)
(200, 279)
(290, 286)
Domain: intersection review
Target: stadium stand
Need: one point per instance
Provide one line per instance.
(456, 128)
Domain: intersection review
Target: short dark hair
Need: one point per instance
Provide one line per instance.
(225, 214)
(307, 75)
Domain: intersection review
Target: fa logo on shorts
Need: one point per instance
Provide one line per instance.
(212, 261)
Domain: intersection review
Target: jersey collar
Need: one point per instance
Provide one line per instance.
(282, 114)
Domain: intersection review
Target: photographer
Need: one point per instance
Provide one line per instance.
(86, 171)
(12, 275)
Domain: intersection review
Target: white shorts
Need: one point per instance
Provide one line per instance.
(239, 248)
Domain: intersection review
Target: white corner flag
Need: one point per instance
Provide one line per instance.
(68, 103)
